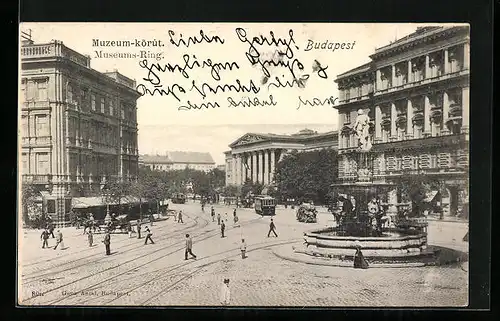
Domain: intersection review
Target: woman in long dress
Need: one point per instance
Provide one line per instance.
(359, 260)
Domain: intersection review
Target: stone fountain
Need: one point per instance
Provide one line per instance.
(363, 220)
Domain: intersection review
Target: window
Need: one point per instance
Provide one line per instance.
(123, 112)
(42, 90)
(385, 133)
(347, 94)
(22, 97)
(42, 163)
(347, 117)
(25, 161)
(24, 126)
(69, 94)
(417, 131)
(93, 102)
(31, 90)
(51, 206)
(42, 125)
(436, 127)
(111, 107)
(102, 105)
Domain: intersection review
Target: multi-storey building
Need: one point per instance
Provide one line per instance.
(254, 156)
(416, 93)
(78, 126)
(178, 161)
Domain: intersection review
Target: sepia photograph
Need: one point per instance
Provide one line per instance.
(243, 164)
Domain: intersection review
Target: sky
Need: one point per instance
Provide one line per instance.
(162, 126)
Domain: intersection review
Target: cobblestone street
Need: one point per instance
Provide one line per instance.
(157, 274)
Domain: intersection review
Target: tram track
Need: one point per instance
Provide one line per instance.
(167, 272)
(35, 276)
(197, 238)
(36, 261)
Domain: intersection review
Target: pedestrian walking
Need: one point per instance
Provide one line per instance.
(189, 247)
(272, 228)
(51, 228)
(59, 240)
(243, 248)
(148, 236)
(235, 219)
(151, 217)
(129, 230)
(213, 214)
(225, 294)
(107, 242)
(218, 218)
(44, 237)
(222, 228)
(179, 219)
(90, 237)
(138, 229)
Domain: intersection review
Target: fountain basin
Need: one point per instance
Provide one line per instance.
(394, 243)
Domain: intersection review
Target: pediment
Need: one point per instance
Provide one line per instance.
(248, 139)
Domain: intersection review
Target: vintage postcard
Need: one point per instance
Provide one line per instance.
(243, 164)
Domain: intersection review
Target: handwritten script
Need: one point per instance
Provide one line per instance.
(197, 81)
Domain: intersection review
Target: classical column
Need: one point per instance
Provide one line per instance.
(446, 66)
(466, 56)
(427, 67)
(427, 114)
(237, 175)
(273, 166)
(446, 110)
(409, 72)
(261, 167)
(248, 162)
(409, 121)
(377, 81)
(266, 167)
(254, 167)
(233, 169)
(393, 75)
(465, 109)
(393, 121)
(378, 125)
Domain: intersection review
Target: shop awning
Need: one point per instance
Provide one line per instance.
(87, 202)
(429, 197)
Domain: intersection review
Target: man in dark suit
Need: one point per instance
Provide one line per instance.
(107, 242)
(272, 228)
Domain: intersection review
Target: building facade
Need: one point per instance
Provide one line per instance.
(78, 126)
(416, 93)
(178, 161)
(254, 156)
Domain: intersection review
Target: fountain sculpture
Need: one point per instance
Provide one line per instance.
(362, 219)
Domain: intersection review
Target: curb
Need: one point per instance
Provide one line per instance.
(295, 257)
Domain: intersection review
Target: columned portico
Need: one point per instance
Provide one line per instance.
(254, 156)
(266, 167)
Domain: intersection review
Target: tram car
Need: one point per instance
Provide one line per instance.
(178, 198)
(265, 205)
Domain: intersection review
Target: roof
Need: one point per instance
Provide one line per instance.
(301, 136)
(190, 157)
(178, 157)
(155, 159)
(419, 33)
(357, 70)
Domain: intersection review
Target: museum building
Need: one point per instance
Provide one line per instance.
(78, 126)
(254, 156)
(415, 91)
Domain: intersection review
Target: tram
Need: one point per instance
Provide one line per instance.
(178, 198)
(265, 205)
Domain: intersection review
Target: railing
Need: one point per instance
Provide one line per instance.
(38, 140)
(54, 49)
(37, 178)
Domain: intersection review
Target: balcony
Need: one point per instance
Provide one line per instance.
(424, 81)
(37, 178)
(52, 50)
(37, 141)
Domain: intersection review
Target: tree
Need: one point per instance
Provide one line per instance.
(31, 213)
(307, 175)
(231, 190)
(414, 188)
(114, 191)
